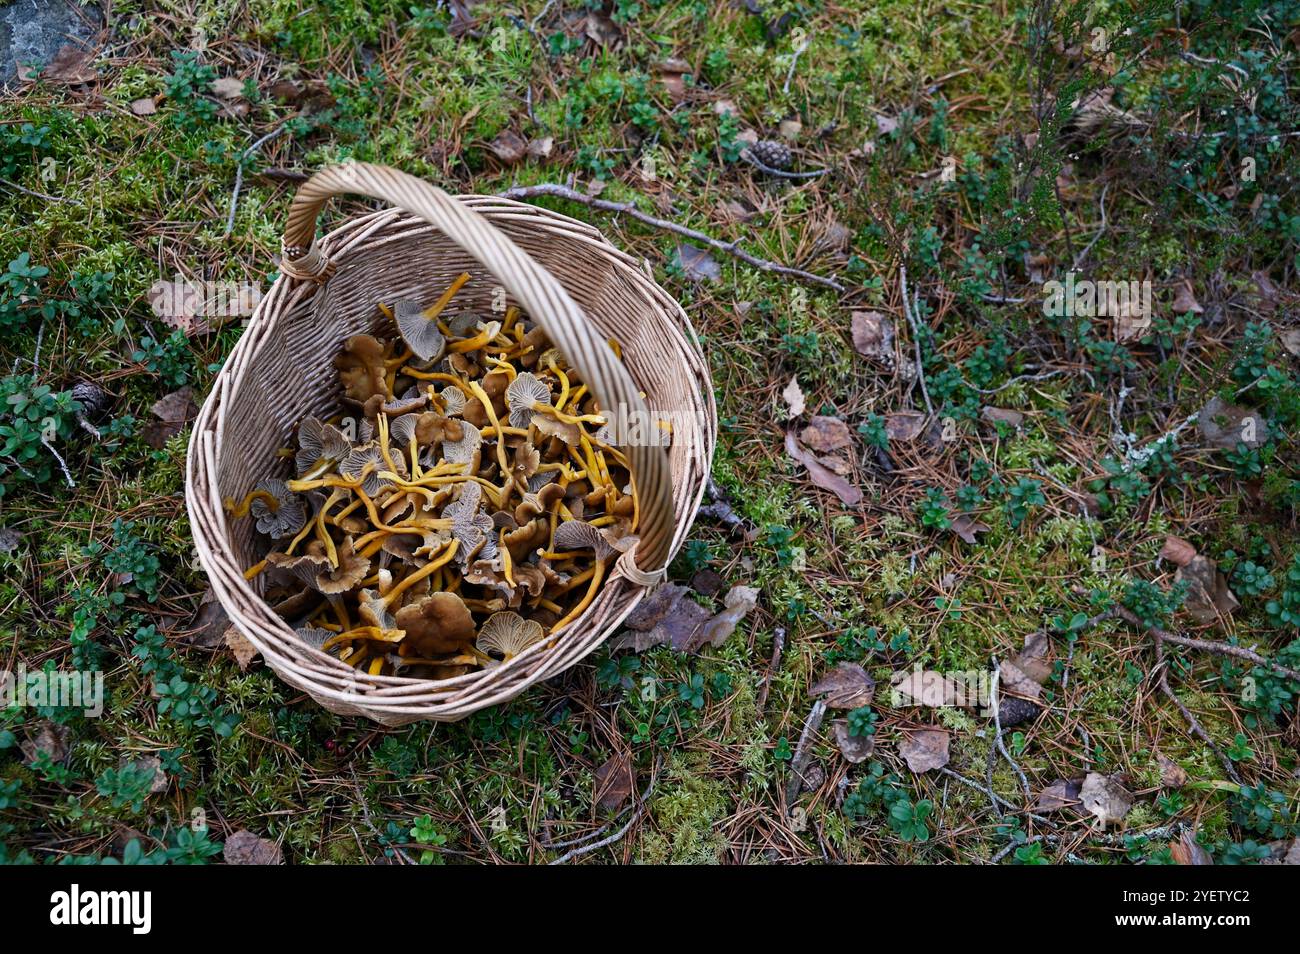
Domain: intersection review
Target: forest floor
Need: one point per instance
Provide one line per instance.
(985, 483)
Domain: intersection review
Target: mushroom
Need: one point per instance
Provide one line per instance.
(466, 449)
(605, 546)
(439, 623)
(320, 447)
(524, 465)
(306, 566)
(282, 515)
(453, 400)
(524, 394)
(472, 528)
(362, 368)
(540, 501)
(431, 428)
(364, 465)
(509, 634)
(566, 431)
(313, 636)
(352, 569)
(419, 331)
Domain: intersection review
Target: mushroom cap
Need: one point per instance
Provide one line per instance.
(508, 633)
(549, 426)
(526, 390)
(286, 519)
(535, 503)
(465, 450)
(317, 442)
(352, 569)
(305, 566)
(453, 399)
(369, 455)
(462, 324)
(420, 334)
(439, 623)
(575, 535)
(525, 463)
(403, 428)
(373, 612)
(433, 428)
(361, 368)
(313, 636)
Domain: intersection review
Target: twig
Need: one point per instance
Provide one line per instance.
(616, 836)
(778, 648)
(1209, 646)
(239, 175)
(63, 464)
(1083, 254)
(627, 208)
(916, 339)
(37, 195)
(794, 61)
(803, 752)
(758, 164)
(995, 704)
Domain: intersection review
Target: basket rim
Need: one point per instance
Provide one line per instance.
(325, 677)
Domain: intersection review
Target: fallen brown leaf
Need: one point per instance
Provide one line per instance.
(1225, 425)
(1187, 851)
(1003, 415)
(174, 412)
(1063, 793)
(738, 602)
(847, 686)
(925, 749)
(243, 651)
(1105, 797)
(820, 474)
(966, 526)
(904, 425)
(824, 434)
(1172, 775)
(794, 399)
(509, 147)
(1177, 551)
(71, 66)
(613, 783)
(1185, 299)
(873, 336)
(143, 107)
(856, 749)
(1208, 596)
(245, 848)
(698, 264)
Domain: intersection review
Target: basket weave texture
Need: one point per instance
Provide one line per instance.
(562, 274)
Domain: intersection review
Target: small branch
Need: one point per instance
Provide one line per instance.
(616, 836)
(1209, 646)
(916, 339)
(754, 161)
(36, 195)
(63, 464)
(627, 208)
(239, 175)
(778, 649)
(1192, 721)
(803, 752)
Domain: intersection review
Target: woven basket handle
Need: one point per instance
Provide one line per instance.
(539, 294)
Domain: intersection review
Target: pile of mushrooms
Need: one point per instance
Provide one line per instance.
(465, 506)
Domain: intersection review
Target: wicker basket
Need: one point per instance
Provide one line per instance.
(565, 276)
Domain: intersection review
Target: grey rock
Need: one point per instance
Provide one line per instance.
(32, 31)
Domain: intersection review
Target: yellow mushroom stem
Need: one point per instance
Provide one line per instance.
(550, 605)
(616, 348)
(576, 397)
(598, 574)
(365, 632)
(413, 448)
(512, 313)
(508, 567)
(341, 613)
(434, 310)
(324, 534)
(385, 450)
(552, 411)
(504, 366)
(489, 432)
(411, 372)
(576, 580)
(564, 381)
(480, 340)
(345, 512)
(427, 570)
(241, 509)
(492, 416)
(255, 569)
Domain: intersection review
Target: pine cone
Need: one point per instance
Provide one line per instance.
(773, 154)
(93, 399)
